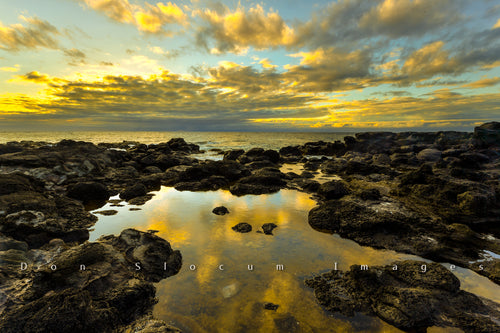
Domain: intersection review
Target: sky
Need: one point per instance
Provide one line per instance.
(283, 65)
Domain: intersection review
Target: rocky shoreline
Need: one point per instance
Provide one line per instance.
(435, 195)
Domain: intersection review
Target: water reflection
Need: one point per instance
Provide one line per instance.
(204, 298)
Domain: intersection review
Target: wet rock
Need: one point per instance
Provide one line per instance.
(232, 155)
(290, 151)
(150, 325)
(221, 210)
(133, 191)
(140, 200)
(155, 255)
(88, 191)
(242, 227)
(271, 306)
(268, 228)
(108, 294)
(334, 189)
(179, 144)
(266, 180)
(108, 212)
(411, 295)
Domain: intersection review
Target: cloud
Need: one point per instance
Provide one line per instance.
(159, 98)
(74, 53)
(431, 60)
(483, 83)
(497, 25)
(148, 18)
(14, 68)
(35, 77)
(234, 31)
(397, 18)
(34, 34)
(326, 70)
(442, 109)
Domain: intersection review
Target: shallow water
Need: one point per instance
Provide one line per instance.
(208, 299)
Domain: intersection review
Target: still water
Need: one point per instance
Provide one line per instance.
(207, 299)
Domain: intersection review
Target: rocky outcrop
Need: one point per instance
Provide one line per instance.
(99, 286)
(411, 295)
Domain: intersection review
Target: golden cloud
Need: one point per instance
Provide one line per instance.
(430, 60)
(148, 18)
(483, 83)
(234, 31)
(408, 17)
(37, 33)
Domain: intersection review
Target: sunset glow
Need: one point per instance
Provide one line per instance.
(249, 66)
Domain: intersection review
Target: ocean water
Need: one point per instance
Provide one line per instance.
(206, 140)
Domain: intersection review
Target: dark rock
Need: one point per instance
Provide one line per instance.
(487, 135)
(106, 296)
(221, 210)
(290, 151)
(179, 144)
(268, 228)
(271, 306)
(334, 189)
(370, 194)
(108, 212)
(140, 200)
(407, 297)
(88, 191)
(133, 191)
(232, 155)
(242, 227)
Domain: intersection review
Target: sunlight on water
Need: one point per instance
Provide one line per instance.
(203, 298)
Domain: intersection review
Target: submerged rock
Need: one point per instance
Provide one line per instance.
(411, 295)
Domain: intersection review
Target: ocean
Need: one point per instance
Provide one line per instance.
(206, 140)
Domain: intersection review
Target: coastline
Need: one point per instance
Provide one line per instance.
(435, 195)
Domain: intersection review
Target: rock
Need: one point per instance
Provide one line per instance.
(133, 191)
(413, 297)
(107, 212)
(242, 227)
(268, 228)
(487, 135)
(266, 180)
(271, 306)
(290, 151)
(370, 194)
(334, 189)
(157, 259)
(14, 183)
(88, 191)
(429, 155)
(221, 210)
(179, 144)
(107, 295)
(140, 200)
(232, 155)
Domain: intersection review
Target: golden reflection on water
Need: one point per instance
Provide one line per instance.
(207, 299)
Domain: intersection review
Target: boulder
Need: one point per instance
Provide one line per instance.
(133, 191)
(88, 191)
